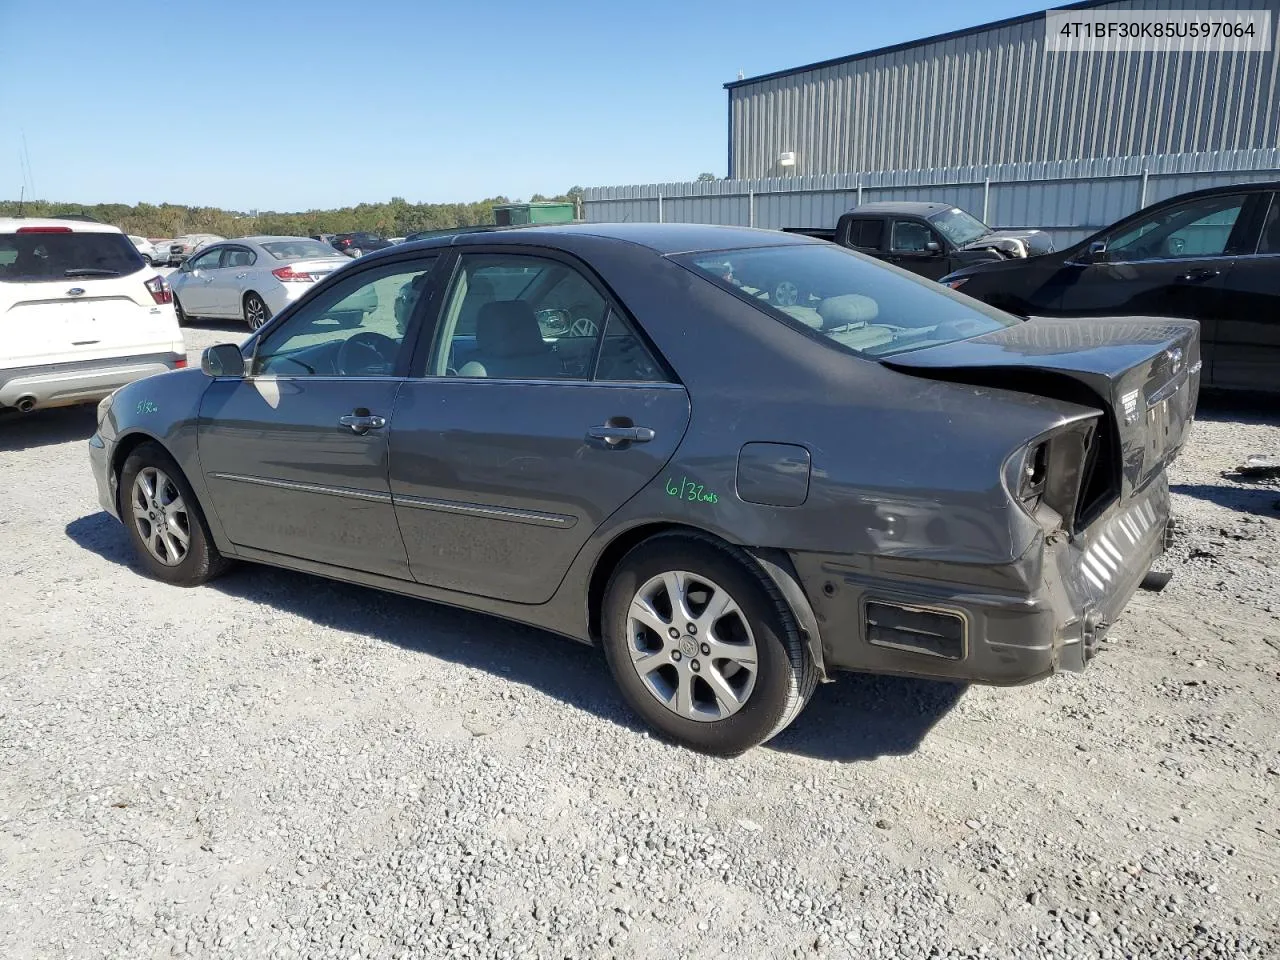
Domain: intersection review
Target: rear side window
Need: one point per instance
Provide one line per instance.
(866, 233)
(298, 249)
(47, 257)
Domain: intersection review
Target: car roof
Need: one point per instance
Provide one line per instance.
(662, 238)
(922, 208)
(13, 224)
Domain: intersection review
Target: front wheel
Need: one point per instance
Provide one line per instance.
(166, 525)
(703, 646)
(179, 312)
(256, 311)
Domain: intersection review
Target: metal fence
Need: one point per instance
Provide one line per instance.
(1071, 199)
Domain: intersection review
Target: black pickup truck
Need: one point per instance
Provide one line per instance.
(928, 238)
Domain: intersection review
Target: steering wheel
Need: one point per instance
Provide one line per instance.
(366, 352)
(583, 327)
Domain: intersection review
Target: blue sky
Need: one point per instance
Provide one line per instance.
(252, 105)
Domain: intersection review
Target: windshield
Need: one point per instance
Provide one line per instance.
(959, 227)
(299, 250)
(39, 257)
(852, 300)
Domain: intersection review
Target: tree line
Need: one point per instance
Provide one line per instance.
(395, 218)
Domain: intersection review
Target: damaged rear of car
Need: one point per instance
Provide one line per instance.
(1008, 494)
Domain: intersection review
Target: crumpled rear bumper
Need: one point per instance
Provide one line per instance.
(1046, 612)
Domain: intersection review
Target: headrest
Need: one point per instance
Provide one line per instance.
(508, 328)
(848, 309)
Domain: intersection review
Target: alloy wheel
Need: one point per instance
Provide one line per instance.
(255, 312)
(160, 516)
(691, 646)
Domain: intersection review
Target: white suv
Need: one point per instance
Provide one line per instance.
(81, 314)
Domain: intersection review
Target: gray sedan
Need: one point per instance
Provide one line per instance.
(611, 432)
(254, 278)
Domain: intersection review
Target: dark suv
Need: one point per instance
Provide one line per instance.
(1212, 255)
(354, 244)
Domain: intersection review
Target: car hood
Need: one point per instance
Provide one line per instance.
(1143, 371)
(1014, 243)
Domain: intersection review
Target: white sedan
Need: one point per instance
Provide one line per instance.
(253, 278)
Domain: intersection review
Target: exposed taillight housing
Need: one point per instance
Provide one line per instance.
(288, 274)
(159, 290)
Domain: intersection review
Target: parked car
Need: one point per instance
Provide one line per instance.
(81, 312)
(254, 278)
(186, 245)
(928, 238)
(161, 247)
(147, 250)
(357, 244)
(1211, 255)
(735, 498)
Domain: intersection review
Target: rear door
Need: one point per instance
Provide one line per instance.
(865, 234)
(538, 412)
(1247, 351)
(229, 281)
(68, 295)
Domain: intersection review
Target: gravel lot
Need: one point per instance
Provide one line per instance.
(281, 766)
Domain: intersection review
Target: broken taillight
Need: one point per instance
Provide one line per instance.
(159, 290)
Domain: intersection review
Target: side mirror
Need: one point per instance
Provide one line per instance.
(933, 246)
(222, 360)
(1097, 252)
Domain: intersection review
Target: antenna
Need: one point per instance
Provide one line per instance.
(22, 194)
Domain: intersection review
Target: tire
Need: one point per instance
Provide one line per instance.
(256, 311)
(187, 566)
(764, 702)
(181, 314)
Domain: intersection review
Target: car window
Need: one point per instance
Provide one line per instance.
(909, 236)
(356, 327)
(207, 260)
(519, 317)
(298, 250)
(624, 356)
(867, 233)
(847, 298)
(958, 226)
(37, 257)
(1270, 239)
(1198, 228)
(238, 257)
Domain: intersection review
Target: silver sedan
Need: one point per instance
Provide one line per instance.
(254, 278)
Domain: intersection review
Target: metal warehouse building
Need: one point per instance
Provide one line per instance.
(988, 119)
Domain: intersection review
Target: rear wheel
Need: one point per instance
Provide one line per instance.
(703, 646)
(256, 312)
(165, 523)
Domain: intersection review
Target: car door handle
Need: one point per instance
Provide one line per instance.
(1197, 276)
(362, 423)
(616, 435)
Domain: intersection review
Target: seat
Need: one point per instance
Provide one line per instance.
(509, 345)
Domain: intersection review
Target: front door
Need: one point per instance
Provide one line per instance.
(295, 454)
(198, 275)
(538, 414)
(1247, 354)
(916, 246)
(1172, 263)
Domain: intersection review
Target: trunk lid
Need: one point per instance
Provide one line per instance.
(319, 268)
(1144, 372)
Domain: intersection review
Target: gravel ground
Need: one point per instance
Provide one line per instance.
(278, 766)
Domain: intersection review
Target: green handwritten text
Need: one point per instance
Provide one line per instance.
(686, 489)
(147, 406)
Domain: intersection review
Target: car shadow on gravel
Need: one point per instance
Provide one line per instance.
(46, 428)
(858, 718)
(1263, 500)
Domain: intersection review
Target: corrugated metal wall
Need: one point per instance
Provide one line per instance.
(1071, 199)
(995, 97)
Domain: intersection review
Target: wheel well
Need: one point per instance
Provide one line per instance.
(612, 555)
(124, 447)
